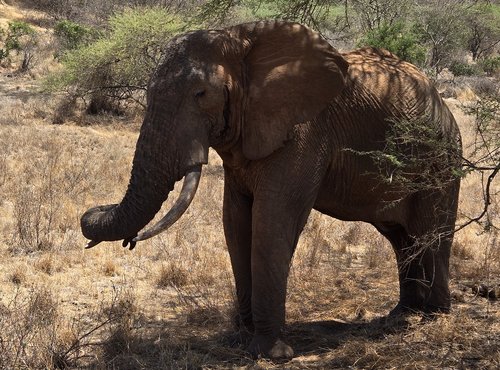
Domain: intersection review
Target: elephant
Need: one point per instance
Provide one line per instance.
(288, 114)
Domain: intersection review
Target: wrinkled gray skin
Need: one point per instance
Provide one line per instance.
(280, 106)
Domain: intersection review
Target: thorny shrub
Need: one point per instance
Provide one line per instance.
(34, 334)
(43, 192)
(27, 325)
(484, 157)
(416, 158)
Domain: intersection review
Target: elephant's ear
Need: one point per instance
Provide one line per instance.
(292, 73)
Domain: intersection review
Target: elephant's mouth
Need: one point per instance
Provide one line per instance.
(188, 191)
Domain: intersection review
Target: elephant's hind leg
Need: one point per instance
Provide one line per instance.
(411, 293)
(423, 268)
(422, 251)
(427, 257)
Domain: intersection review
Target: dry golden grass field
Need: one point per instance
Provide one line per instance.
(169, 302)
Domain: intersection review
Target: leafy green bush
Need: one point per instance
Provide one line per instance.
(491, 65)
(16, 31)
(22, 38)
(463, 69)
(117, 66)
(416, 157)
(71, 35)
(398, 39)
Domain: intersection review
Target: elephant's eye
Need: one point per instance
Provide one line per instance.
(199, 94)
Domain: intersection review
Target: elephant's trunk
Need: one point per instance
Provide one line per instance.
(145, 194)
(153, 177)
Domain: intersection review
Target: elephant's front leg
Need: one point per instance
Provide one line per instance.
(237, 217)
(277, 223)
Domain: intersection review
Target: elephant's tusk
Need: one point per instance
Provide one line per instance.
(92, 243)
(191, 181)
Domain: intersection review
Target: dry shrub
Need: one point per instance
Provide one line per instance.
(12, 115)
(34, 334)
(476, 257)
(18, 275)
(64, 110)
(377, 253)
(22, 104)
(467, 89)
(109, 268)
(3, 168)
(483, 86)
(45, 264)
(38, 207)
(27, 329)
(317, 245)
(197, 266)
(207, 305)
(66, 348)
(462, 251)
(172, 275)
(490, 260)
(123, 306)
(104, 333)
(123, 314)
(33, 220)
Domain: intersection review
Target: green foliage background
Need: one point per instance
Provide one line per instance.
(115, 60)
(19, 36)
(399, 39)
(119, 62)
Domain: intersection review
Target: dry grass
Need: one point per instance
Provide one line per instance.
(170, 302)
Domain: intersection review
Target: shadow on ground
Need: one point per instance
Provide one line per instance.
(159, 345)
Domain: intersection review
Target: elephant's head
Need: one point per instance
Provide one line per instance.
(246, 85)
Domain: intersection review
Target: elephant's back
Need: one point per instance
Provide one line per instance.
(393, 82)
(398, 87)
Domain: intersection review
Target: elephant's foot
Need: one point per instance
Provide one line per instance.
(439, 301)
(401, 310)
(435, 309)
(268, 347)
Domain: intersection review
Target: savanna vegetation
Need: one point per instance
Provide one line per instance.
(73, 79)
